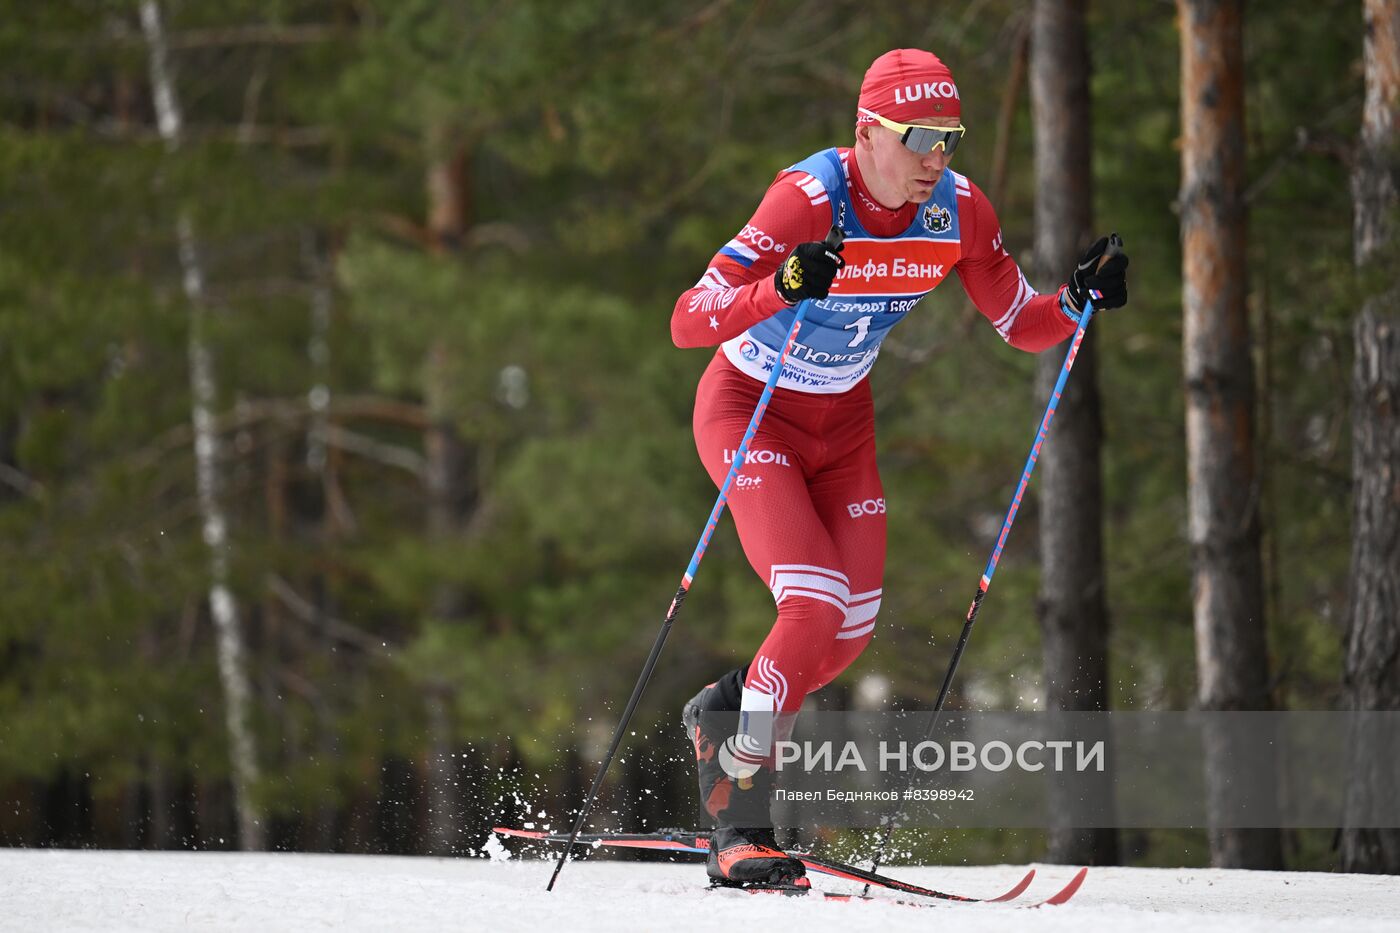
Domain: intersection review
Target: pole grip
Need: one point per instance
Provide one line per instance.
(1114, 248)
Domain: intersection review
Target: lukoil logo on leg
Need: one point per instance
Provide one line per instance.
(758, 456)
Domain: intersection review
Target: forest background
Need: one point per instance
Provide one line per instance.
(425, 254)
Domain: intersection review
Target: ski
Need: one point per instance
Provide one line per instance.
(1059, 897)
(675, 840)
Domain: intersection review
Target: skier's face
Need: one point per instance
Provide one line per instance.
(905, 174)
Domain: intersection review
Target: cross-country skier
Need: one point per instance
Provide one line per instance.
(808, 504)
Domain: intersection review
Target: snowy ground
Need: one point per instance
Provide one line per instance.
(65, 890)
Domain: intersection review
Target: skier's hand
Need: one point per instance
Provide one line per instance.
(809, 271)
(1101, 275)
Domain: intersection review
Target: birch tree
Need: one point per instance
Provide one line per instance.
(223, 607)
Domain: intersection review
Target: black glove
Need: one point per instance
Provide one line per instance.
(809, 271)
(1101, 275)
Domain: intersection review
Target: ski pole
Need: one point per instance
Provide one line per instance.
(1115, 246)
(833, 240)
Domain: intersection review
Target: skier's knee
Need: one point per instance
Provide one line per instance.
(861, 609)
(809, 590)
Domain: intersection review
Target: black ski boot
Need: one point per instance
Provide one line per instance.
(743, 853)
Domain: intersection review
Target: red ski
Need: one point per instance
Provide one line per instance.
(698, 843)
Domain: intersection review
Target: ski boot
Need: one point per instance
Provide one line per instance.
(743, 853)
(750, 858)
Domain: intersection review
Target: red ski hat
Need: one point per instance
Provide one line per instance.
(906, 85)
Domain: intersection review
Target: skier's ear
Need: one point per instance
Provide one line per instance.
(863, 137)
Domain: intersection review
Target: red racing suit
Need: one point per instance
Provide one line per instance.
(808, 503)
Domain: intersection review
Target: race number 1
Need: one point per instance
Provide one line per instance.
(862, 327)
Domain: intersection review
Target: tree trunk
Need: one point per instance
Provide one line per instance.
(160, 833)
(451, 490)
(1372, 671)
(319, 834)
(1006, 113)
(1223, 488)
(233, 675)
(1073, 618)
(445, 830)
(318, 351)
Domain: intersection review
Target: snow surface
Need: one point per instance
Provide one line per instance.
(156, 891)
